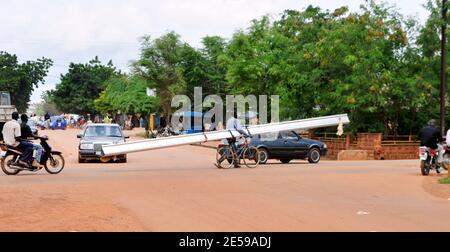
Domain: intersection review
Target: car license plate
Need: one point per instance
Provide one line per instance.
(59, 124)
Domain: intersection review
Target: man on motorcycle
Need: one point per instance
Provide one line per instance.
(26, 133)
(12, 136)
(431, 137)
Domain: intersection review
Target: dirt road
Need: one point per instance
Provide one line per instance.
(180, 190)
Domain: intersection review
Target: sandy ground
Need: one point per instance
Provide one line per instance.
(180, 190)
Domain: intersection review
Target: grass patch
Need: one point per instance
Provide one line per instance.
(444, 181)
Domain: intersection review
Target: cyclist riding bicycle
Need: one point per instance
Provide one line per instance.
(234, 124)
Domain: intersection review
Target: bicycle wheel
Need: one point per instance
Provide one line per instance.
(251, 157)
(225, 157)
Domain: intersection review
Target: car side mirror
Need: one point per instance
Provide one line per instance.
(80, 136)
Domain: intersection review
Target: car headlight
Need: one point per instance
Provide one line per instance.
(87, 146)
(325, 146)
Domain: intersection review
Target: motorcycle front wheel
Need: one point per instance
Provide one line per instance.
(424, 167)
(55, 164)
(6, 163)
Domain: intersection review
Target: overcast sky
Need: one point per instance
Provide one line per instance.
(77, 30)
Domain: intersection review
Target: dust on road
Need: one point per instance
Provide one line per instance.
(179, 189)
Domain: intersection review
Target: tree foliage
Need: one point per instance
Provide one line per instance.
(81, 86)
(374, 64)
(20, 79)
(127, 94)
(160, 65)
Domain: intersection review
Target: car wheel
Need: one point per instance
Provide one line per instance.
(124, 159)
(263, 155)
(285, 161)
(314, 156)
(80, 160)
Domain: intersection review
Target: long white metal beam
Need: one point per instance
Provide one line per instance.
(167, 142)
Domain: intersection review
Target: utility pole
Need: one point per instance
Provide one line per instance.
(443, 64)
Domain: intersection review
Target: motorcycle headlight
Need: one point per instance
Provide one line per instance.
(87, 146)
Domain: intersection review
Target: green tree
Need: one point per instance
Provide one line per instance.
(20, 79)
(429, 59)
(81, 86)
(161, 65)
(127, 94)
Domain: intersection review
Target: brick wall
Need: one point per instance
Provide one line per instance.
(334, 147)
(399, 151)
(373, 143)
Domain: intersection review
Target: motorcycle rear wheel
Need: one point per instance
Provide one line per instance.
(6, 162)
(424, 167)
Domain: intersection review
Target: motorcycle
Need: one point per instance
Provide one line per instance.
(166, 132)
(429, 160)
(53, 161)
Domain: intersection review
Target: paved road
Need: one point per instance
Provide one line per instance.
(179, 189)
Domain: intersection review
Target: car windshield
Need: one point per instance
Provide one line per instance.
(103, 131)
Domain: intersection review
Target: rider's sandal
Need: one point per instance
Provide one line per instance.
(37, 165)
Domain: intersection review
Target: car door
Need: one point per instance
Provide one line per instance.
(273, 144)
(294, 147)
(287, 144)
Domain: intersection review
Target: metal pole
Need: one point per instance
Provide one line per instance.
(443, 64)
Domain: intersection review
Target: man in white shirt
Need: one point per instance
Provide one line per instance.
(234, 124)
(11, 136)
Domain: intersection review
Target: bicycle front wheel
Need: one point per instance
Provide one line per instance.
(225, 157)
(251, 157)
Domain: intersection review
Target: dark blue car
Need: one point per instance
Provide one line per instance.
(58, 122)
(286, 146)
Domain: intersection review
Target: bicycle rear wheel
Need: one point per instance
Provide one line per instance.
(225, 157)
(251, 157)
